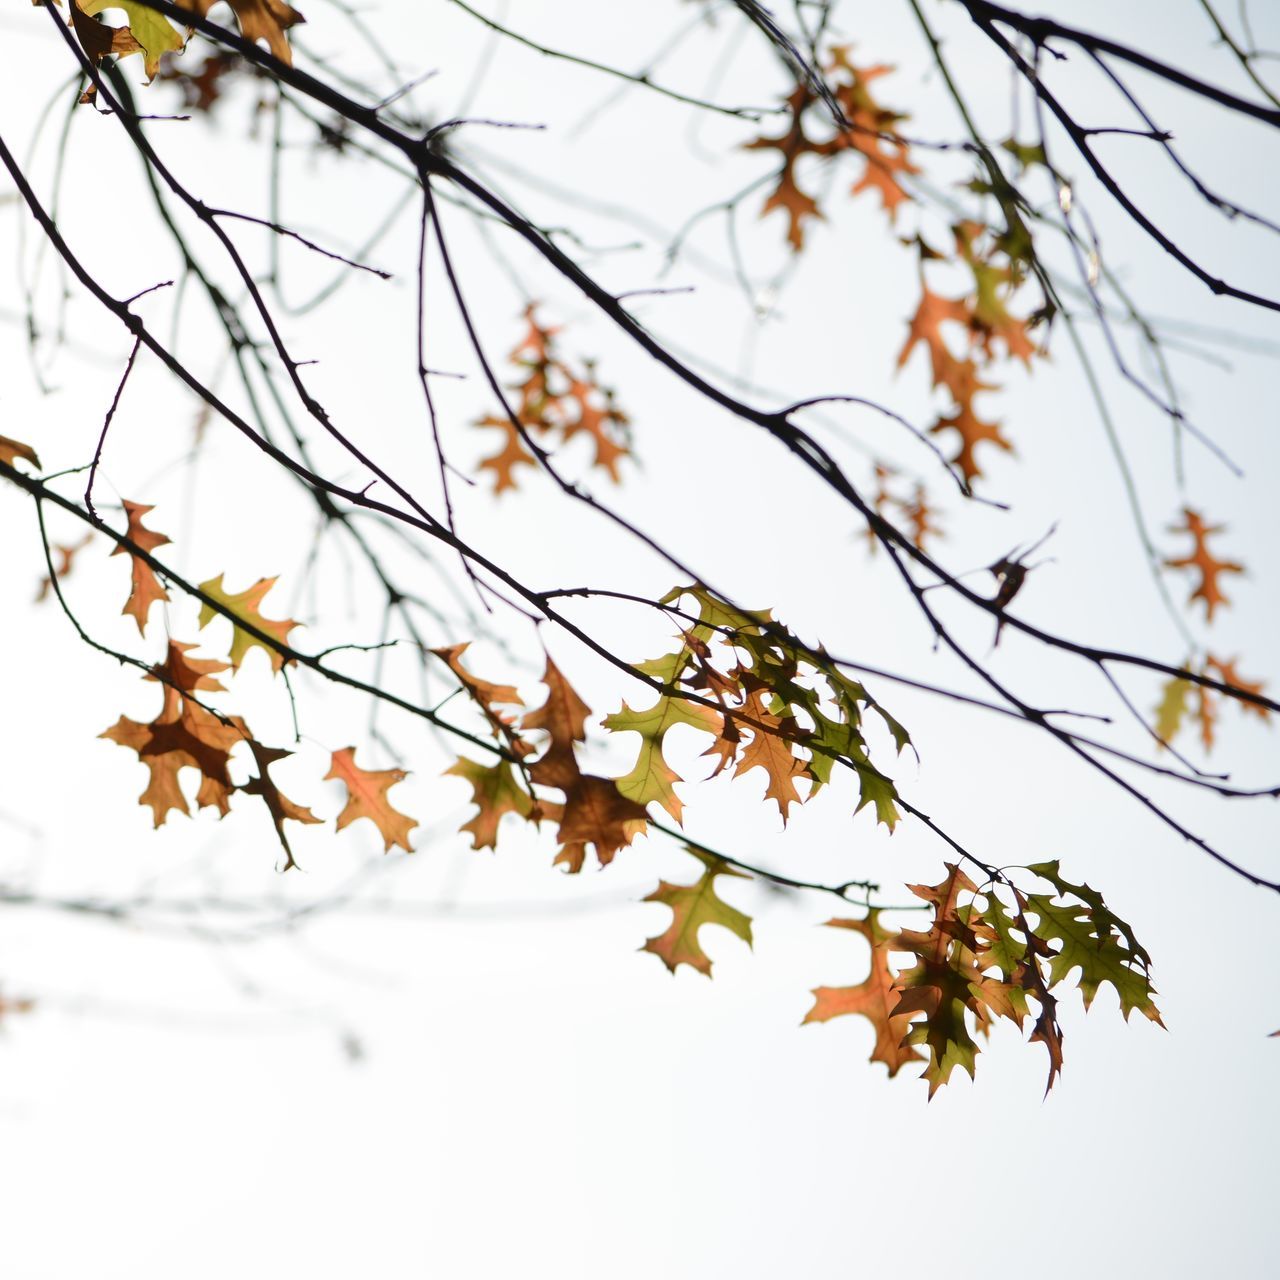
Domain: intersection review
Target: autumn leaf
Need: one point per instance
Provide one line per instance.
(512, 454)
(183, 735)
(260, 20)
(1202, 561)
(1182, 699)
(564, 718)
(148, 32)
(794, 143)
(496, 791)
(487, 695)
(65, 554)
(244, 605)
(973, 431)
(926, 327)
(278, 804)
(596, 813)
(872, 131)
(1172, 708)
(874, 998)
(941, 984)
(555, 403)
(693, 906)
(202, 87)
(871, 134)
(651, 777)
(367, 798)
(146, 589)
(12, 450)
(770, 747)
(1229, 675)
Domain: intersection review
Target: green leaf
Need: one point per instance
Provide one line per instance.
(651, 777)
(1090, 939)
(1172, 709)
(154, 33)
(693, 906)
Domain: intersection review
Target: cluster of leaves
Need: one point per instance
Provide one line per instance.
(990, 331)
(763, 699)
(989, 953)
(911, 506)
(766, 700)
(555, 404)
(1184, 701)
(151, 35)
(187, 733)
(965, 335)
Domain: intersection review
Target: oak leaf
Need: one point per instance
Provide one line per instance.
(693, 906)
(183, 735)
(941, 984)
(146, 589)
(261, 20)
(973, 431)
(1202, 561)
(278, 804)
(1094, 940)
(148, 32)
(496, 791)
(595, 812)
(770, 747)
(12, 450)
(244, 605)
(367, 798)
(564, 719)
(651, 777)
(65, 554)
(874, 998)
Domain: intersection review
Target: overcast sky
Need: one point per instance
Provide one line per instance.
(468, 1071)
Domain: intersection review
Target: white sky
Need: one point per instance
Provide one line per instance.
(530, 1096)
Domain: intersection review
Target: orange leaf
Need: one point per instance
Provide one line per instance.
(1202, 561)
(874, 999)
(367, 798)
(146, 589)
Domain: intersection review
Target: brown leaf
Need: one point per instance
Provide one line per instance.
(564, 718)
(65, 555)
(278, 804)
(12, 450)
(261, 20)
(596, 812)
(183, 735)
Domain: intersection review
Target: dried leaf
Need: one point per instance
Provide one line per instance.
(367, 798)
(146, 589)
(12, 450)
